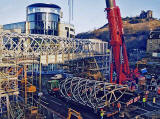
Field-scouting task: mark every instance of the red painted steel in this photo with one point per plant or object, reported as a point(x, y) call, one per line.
point(119, 62)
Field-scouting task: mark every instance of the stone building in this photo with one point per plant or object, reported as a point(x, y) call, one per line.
point(153, 42)
point(146, 15)
point(66, 30)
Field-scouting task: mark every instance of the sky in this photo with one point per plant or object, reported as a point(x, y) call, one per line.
point(88, 14)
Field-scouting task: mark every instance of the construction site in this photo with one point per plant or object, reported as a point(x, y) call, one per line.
point(54, 77)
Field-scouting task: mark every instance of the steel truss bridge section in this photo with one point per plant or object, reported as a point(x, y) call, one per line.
point(27, 45)
point(92, 93)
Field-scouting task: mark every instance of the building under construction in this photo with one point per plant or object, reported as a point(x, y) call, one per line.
point(44, 76)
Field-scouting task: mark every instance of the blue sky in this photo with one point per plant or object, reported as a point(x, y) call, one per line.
point(88, 14)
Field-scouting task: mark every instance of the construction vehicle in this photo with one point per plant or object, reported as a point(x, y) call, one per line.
point(74, 113)
point(53, 84)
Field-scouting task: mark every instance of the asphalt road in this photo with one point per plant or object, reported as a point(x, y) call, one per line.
point(60, 107)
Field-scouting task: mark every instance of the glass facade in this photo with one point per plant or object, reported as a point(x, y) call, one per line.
point(19, 25)
point(43, 19)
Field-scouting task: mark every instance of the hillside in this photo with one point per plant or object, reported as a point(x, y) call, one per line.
point(136, 32)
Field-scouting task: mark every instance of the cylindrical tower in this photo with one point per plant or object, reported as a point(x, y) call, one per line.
point(43, 18)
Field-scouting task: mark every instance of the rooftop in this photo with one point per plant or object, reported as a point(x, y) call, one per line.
point(44, 5)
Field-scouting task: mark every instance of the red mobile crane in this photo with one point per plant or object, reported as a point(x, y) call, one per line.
point(119, 60)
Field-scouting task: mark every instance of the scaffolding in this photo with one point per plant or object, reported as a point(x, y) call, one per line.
point(94, 68)
point(8, 88)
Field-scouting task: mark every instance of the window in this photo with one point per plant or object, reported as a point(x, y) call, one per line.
point(31, 17)
point(53, 17)
point(43, 17)
point(32, 25)
point(32, 32)
point(37, 9)
point(53, 25)
point(67, 34)
point(56, 33)
point(50, 32)
point(40, 25)
point(30, 10)
point(71, 36)
point(15, 26)
point(40, 17)
point(49, 25)
point(72, 30)
point(56, 26)
point(66, 28)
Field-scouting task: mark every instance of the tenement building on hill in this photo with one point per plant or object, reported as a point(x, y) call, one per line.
point(153, 42)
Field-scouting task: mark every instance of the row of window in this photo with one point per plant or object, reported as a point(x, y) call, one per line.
point(47, 32)
point(67, 28)
point(44, 25)
point(43, 17)
point(21, 25)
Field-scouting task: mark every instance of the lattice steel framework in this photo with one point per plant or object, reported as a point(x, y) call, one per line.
point(22, 44)
point(95, 94)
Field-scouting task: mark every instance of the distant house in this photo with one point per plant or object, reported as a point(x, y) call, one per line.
point(153, 42)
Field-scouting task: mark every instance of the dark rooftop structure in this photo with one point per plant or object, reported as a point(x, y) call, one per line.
point(44, 5)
